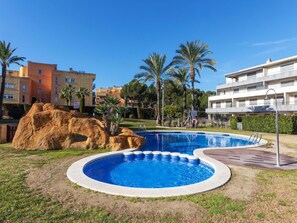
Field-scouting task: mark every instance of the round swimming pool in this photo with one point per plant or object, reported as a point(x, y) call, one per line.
point(187, 142)
point(165, 166)
point(149, 169)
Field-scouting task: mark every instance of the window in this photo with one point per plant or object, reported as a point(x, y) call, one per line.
point(23, 98)
point(56, 80)
point(39, 91)
point(235, 91)
point(295, 99)
point(56, 90)
point(39, 71)
point(70, 80)
point(280, 100)
point(287, 83)
point(39, 81)
point(55, 100)
point(228, 104)
point(218, 104)
point(252, 88)
point(242, 103)
point(23, 88)
point(253, 102)
point(251, 75)
point(267, 101)
point(8, 96)
point(287, 67)
point(9, 85)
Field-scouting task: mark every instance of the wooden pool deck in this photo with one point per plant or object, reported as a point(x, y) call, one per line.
point(252, 158)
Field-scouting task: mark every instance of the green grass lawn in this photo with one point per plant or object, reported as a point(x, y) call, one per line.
point(274, 199)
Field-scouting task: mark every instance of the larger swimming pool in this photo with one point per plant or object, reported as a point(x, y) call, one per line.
point(187, 142)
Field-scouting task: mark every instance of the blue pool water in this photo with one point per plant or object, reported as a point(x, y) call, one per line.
point(147, 172)
point(187, 142)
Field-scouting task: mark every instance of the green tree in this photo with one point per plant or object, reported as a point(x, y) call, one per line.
point(67, 92)
point(193, 55)
point(155, 71)
point(134, 90)
point(6, 58)
point(81, 94)
point(180, 78)
point(125, 94)
point(203, 99)
point(150, 96)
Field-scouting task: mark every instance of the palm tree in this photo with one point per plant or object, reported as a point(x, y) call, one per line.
point(193, 55)
point(6, 59)
point(155, 71)
point(81, 93)
point(66, 93)
point(180, 78)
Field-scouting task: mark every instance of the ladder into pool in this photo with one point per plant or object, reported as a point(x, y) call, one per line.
point(255, 138)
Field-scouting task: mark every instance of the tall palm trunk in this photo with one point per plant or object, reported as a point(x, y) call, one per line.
point(2, 89)
point(158, 102)
point(192, 76)
point(185, 103)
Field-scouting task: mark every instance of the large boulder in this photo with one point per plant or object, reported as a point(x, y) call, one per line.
point(47, 128)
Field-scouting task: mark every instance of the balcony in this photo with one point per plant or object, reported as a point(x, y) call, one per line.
point(252, 94)
point(252, 109)
point(278, 76)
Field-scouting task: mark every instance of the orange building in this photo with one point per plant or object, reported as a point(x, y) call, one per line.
point(43, 82)
point(102, 93)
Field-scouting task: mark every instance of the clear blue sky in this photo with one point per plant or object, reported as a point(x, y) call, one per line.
point(110, 38)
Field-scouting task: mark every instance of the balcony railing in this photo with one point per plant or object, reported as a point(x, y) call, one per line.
point(252, 109)
point(278, 76)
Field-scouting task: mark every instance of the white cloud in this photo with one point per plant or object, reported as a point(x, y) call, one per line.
point(276, 42)
point(269, 51)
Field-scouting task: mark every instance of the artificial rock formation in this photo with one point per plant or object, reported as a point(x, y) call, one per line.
point(47, 128)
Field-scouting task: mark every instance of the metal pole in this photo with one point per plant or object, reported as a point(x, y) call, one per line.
point(163, 90)
point(276, 127)
point(276, 132)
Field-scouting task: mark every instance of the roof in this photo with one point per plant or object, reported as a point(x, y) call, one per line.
point(261, 66)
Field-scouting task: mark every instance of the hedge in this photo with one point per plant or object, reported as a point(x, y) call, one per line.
point(233, 122)
point(287, 124)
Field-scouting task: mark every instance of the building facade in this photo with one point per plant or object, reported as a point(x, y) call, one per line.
point(102, 93)
point(43, 82)
point(245, 90)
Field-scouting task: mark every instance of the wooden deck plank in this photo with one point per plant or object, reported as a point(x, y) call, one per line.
point(252, 158)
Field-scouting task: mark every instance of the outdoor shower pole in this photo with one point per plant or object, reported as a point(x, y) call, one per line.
point(276, 126)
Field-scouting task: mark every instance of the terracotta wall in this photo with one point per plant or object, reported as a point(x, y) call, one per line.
point(41, 80)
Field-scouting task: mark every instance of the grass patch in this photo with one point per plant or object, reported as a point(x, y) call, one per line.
point(19, 204)
point(217, 204)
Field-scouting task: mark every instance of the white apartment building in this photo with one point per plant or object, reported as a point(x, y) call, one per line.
point(244, 91)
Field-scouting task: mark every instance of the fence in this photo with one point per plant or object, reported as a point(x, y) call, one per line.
point(7, 132)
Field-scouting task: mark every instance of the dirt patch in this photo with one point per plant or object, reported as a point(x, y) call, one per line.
point(243, 185)
point(51, 181)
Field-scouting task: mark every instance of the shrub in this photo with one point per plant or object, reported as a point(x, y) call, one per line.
point(266, 123)
point(16, 111)
point(167, 123)
point(171, 111)
point(173, 123)
point(233, 122)
point(146, 113)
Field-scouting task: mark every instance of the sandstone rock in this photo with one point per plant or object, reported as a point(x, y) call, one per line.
point(48, 128)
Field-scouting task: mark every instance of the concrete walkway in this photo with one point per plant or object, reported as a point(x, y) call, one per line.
point(252, 158)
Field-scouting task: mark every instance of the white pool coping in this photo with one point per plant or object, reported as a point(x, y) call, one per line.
point(221, 176)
